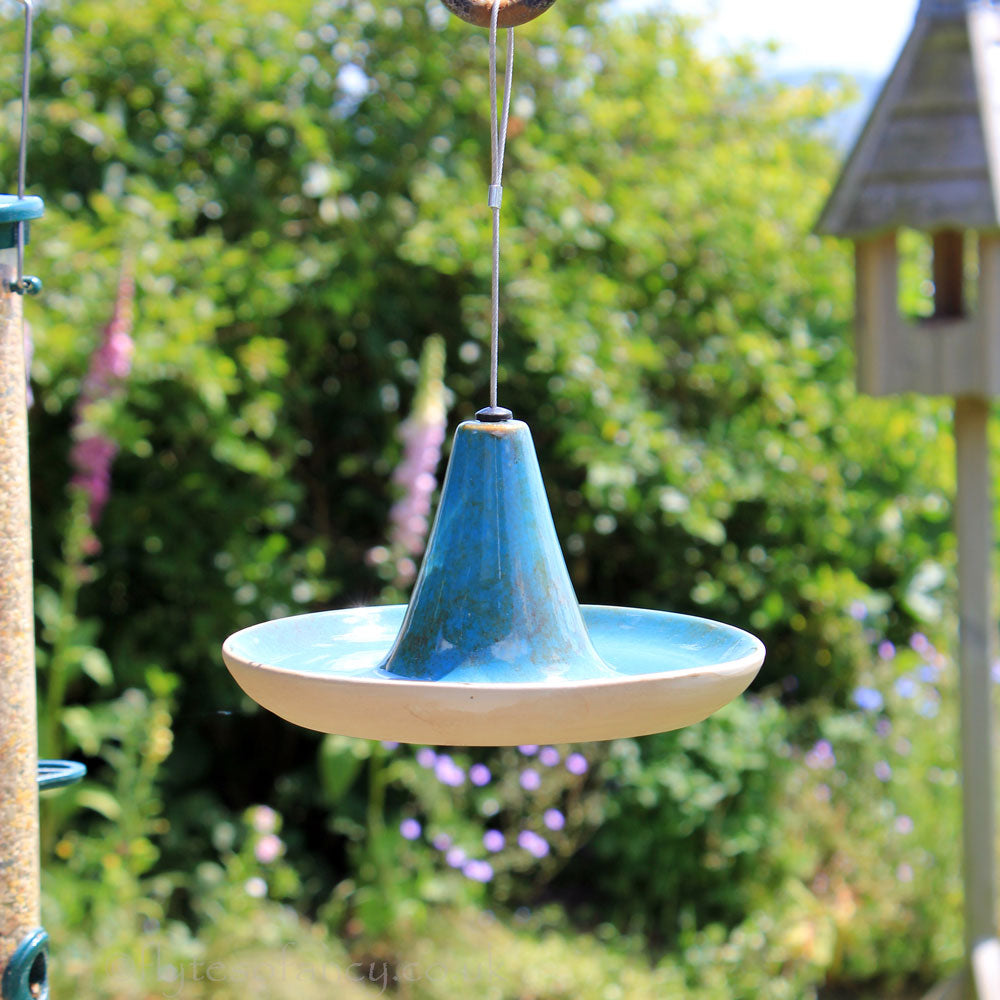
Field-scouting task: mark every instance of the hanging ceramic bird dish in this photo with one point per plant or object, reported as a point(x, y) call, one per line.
point(493, 648)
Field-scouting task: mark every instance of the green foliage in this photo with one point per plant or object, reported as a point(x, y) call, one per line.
point(872, 826)
point(391, 883)
point(122, 929)
point(100, 878)
point(683, 822)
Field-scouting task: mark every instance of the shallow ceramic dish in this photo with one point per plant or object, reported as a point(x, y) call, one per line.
point(493, 648)
point(322, 671)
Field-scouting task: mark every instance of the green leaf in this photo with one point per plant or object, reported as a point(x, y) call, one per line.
point(100, 801)
point(96, 666)
point(84, 727)
point(340, 760)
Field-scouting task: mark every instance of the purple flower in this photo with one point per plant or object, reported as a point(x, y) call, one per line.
point(554, 819)
point(883, 771)
point(883, 727)
point(919, 643)
point(928, 674)
point(456, 857)
point(93, 452)
point(478, 871)
point(268, 848)
point(530, 780)
point(906, 687)
point(448, 772)
point(426, 757)
point(904, 873)
point(410, 829)
point(389, 744)
point(823, 793)
point(868, 699)
point(886, 650)
point(549, 756)
point(494, 840)
point(479, 775)
point(995, 672)
point(821, 756)
point(928, 708)
point(528, 749)
point(858, 611)
point(576, 763)
point(903, 825)
point(441, 841)
point(92, 458)
point(536, 846)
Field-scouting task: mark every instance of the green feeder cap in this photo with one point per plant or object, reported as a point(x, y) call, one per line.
point(14, 210)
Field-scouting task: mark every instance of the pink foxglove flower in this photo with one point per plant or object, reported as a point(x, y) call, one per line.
point(422, 434)
point(93, 450)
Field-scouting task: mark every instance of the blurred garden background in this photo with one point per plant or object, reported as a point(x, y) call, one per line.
point(265, 307)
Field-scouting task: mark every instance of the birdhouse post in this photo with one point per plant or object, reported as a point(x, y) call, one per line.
point(928, 159)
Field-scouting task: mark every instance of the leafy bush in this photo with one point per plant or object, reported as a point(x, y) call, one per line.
point(683, 823)
point(872, 820)
point(650, 835)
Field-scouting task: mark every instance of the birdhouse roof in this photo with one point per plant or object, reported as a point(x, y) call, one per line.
point(929, 155)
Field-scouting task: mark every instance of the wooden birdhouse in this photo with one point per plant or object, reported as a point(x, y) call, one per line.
point(928, 159)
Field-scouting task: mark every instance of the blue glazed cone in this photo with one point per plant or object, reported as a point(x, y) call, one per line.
point(493, 601)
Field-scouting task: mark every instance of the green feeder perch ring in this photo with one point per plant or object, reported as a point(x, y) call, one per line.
point(26, 976)
point(59, 773)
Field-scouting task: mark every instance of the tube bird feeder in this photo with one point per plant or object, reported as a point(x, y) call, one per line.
point(23, 942)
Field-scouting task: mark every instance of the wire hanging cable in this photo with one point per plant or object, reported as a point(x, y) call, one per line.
point(22, 156)
point(498, 144)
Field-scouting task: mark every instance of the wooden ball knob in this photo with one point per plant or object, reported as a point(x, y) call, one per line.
point(511, 14)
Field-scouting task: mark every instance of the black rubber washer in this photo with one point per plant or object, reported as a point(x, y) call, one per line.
point(494, 414)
